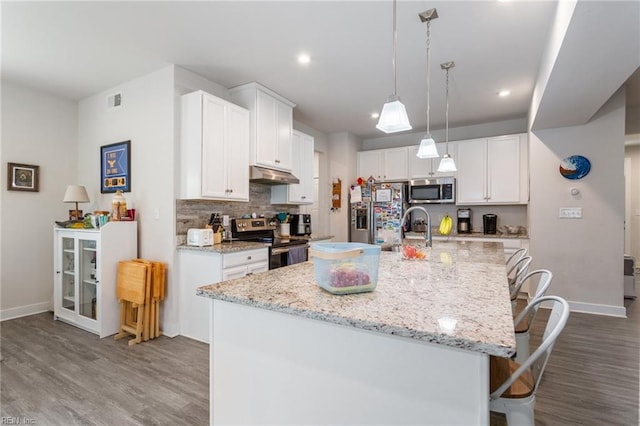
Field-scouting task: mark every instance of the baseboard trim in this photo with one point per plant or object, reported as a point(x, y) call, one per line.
point(170, 330)
point(597, 309)
point(23, 311)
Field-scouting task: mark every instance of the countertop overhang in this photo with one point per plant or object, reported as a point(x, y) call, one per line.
point(461, 283)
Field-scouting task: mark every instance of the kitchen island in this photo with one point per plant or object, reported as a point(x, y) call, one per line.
point(414, 351)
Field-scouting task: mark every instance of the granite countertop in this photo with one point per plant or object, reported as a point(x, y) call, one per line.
point(226, 247)
point(460, 281)
point(234, 246)
point(435, 233)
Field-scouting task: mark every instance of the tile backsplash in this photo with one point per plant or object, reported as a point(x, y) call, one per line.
point(196, 213)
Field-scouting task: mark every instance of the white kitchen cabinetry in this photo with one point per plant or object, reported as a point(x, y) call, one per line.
point(384, 164)
point(214, 148)
point(271, 125)
point(300, 193)
point(492, 170)
point(86, 267)
point(239, 264)
point(198, 268)
point(427, 168)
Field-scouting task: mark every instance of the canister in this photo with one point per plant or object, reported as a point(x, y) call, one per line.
point(118, 206)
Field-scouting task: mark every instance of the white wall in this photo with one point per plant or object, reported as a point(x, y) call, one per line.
point(585, 255)
point(343, 150)
point(497, 128)
point(37, 129)
point(633, 153)
point(147, 119)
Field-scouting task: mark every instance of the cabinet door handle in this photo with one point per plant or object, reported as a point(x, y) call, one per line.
point(277, 161)
point(303, 197)
point(231, 190)
point(248, 257)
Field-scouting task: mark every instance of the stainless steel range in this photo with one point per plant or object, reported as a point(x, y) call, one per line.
point(282, 252)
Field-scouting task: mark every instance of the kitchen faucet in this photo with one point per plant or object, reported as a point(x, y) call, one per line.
point(427, 235)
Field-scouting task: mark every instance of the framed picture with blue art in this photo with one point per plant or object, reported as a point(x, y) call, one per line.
point(115, 167)
point(575, 167)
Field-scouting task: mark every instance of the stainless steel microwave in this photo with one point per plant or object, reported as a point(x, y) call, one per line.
point(439, 190)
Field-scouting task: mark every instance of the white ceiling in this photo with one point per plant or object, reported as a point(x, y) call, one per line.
point(77, 49)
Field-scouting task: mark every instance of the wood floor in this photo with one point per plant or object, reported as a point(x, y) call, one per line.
point(57, 374)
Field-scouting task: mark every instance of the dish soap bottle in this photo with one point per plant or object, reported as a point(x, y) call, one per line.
point(118, 206)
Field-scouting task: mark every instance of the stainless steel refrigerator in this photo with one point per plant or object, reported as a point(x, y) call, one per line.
point(376, 219)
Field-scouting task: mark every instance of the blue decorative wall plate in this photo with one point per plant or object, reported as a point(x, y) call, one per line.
point(575, 167)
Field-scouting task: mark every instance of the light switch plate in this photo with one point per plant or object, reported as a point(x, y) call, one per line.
point(570, 213)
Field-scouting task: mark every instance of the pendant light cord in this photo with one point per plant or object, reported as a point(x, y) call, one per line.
point(428, 73)
point(395, 42)
point(446, 125)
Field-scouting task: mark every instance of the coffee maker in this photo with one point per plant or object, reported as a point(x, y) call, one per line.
point(301, 224)
point(490, 222)
point(464, 221)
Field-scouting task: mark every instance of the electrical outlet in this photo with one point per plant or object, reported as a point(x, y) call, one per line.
point(225, 220)
point(570, 213)
point(156, 213)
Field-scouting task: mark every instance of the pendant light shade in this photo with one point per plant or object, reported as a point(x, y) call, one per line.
point(428, 147)
point(447, 164)
point(393, 117)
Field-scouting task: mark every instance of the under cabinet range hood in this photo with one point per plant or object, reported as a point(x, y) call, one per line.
point(271, 177)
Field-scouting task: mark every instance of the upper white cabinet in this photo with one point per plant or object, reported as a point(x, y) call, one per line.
point(493, 170)
point(384, 164)
point(214, 148)
point(271, 125)
point(428, 167)
point(301, 193)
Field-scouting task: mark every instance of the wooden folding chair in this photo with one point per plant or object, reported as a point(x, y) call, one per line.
point(131, 283)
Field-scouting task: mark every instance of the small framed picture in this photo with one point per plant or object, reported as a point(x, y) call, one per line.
point(23, 177)
point(115, 167)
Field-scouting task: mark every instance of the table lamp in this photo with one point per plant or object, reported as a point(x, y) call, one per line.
point(76, 194)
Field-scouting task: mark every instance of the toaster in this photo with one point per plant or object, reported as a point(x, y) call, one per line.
point(200, 237)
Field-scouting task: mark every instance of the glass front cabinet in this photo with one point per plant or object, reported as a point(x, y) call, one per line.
point(86, 265)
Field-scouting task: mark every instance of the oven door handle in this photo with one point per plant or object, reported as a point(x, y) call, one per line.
point(277, 251)
point(282, 250)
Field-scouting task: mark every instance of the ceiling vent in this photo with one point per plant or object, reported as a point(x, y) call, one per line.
point(114, 100)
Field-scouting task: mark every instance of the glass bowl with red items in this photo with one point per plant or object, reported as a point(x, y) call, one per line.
point(345, 268)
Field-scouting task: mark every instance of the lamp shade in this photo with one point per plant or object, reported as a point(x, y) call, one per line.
point(393, 117)
point(447, 164)
point(427, 148)
point(76, 194)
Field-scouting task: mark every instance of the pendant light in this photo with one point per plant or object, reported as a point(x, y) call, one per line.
point(447, 164)
point(427, 147)
point(393, 117)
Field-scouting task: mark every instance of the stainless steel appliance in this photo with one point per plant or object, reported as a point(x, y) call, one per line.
point(437, 191)
point(282, 252)
point(490, 222)
point(301, 224)
point(376, 220)
point(464, 221)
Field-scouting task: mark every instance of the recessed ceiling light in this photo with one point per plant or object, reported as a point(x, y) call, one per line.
point(504, 93)
point(375, 115)
point(303, 58)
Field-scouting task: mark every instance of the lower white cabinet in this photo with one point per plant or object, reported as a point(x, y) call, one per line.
point(242, 263)
point(86, 267)
point(198, 268)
